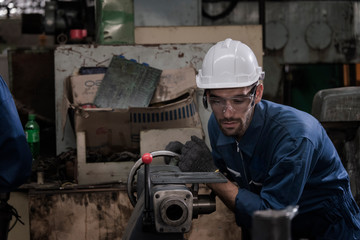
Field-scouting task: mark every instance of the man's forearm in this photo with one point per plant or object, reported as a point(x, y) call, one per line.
point(226, 192)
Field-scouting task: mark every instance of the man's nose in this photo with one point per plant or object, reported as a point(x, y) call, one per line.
point(228, 109)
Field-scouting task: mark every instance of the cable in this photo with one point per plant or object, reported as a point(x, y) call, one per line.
point(16, 215)
point(7, 212)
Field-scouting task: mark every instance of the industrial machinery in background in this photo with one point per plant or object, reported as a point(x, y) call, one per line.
point(166, 199)
point(338, 110)
point(309, 47)
point(69, 21)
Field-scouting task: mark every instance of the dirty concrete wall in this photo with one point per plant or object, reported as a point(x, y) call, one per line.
point(102, 214)
point(75, 215)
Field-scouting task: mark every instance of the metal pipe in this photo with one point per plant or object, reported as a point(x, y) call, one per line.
point(204, 204)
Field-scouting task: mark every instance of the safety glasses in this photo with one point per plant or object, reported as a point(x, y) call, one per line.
point(240, 103)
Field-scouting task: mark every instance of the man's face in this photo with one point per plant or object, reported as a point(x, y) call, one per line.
point(232, 109)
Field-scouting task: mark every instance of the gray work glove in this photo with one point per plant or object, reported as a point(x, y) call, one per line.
point(196, 157)
point(174, 146)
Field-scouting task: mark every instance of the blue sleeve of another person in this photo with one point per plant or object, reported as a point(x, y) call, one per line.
point(15, 154)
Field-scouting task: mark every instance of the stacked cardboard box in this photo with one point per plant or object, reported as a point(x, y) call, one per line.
point(173, 105)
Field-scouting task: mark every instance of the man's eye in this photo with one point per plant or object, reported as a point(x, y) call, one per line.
point(215, 101)
point(238, 100)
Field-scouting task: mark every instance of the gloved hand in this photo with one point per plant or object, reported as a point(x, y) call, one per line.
point(196, 157)
point(174, 146)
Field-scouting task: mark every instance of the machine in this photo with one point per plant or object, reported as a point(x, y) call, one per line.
point(166, 199)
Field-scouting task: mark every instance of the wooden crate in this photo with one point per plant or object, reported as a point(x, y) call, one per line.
point(98, 173)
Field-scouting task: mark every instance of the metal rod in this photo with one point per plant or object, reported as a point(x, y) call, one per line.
point(147, 187)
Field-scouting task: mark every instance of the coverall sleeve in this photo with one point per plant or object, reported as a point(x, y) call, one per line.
point(284, 184)
point(15, 155)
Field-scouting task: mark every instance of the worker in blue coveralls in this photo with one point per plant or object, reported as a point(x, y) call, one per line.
point(273, 155)
point(15, 155)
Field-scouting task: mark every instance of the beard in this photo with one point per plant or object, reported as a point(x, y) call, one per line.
point(235, 127)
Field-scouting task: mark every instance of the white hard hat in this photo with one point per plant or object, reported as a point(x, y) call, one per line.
point(229, 64)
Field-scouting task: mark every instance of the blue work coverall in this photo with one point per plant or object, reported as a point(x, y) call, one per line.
point(15, 155)
point(286, 158)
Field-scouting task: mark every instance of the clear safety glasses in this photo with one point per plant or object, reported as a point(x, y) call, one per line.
point(240, 103)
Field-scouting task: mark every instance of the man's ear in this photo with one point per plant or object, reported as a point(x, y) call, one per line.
point(204, 99)
point(259, 93)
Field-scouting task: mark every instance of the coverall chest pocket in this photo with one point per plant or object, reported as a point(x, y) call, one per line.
point(236, 176)
point(255, 187)
point(245, 181)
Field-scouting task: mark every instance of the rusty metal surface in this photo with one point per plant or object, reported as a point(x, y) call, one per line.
point(167, 13)
point(318, 31)
point(337, 104)
point(300, 31)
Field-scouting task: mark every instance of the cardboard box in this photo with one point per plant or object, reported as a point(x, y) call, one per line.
point(157, 139)
point(119, 129)
point(84, 87)
point(173, 84)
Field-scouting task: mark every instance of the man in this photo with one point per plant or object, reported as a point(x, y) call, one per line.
point(274, 155)
point(15, 155)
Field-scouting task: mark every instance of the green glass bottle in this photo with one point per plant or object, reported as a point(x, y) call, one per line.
point(32, 133)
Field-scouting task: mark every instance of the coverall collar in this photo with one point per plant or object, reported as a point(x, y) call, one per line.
point(248, 141)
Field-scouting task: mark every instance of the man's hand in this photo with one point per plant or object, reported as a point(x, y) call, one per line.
point(174, 146)
point(196, 157)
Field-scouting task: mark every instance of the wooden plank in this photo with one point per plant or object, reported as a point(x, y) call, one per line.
point(81, 147)
point(346, 75)
point(98, 173)
point(248, 34)
point(357, 74)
